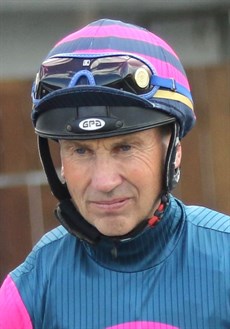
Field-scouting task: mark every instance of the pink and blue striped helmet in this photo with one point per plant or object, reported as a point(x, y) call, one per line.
point(110, 78)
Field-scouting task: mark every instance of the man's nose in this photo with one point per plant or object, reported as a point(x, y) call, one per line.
point(105, 174)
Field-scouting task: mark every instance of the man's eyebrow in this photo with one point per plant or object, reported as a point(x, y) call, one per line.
point(74, 144)
point(129, 138)
point(126, 140)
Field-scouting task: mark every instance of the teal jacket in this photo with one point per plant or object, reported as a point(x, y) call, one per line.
point(174, 275)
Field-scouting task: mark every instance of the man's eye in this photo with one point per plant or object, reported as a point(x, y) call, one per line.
point(125, 147)
point(80, 150)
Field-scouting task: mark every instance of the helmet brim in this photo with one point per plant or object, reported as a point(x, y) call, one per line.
point(59, 114)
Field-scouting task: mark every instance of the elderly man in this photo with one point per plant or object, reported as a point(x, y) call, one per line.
point(128, 255)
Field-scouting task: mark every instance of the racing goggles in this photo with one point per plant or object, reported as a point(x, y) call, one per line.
point(118, 72)
point(121, 72)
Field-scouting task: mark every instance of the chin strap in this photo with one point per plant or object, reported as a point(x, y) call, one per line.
point(172, 174)
point(59, 190)
point(75, 224)
point(159, 212)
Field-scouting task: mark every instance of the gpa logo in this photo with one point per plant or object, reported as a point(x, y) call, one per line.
point(91, 124)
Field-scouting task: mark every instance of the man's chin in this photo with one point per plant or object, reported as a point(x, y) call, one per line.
point(114, 231)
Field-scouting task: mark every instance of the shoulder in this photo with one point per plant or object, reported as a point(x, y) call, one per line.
point(205, 236)
point(52, 256)
point(52, 237)
point(52, 243)
point(207, 218)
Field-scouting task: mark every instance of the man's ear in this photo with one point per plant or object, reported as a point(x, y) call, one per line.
point(178, 155)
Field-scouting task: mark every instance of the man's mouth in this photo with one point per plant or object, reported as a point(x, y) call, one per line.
point(113, 204)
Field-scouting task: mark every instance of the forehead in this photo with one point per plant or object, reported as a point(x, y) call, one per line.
point(141, 136)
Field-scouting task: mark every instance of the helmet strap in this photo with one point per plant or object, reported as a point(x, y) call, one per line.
point(172, 174)
point(159, 212)
point(75, 224)
point(59, 190)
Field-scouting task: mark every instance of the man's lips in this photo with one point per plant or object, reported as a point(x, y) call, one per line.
point(110, 204)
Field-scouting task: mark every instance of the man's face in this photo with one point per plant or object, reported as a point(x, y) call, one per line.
point(115, 182)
